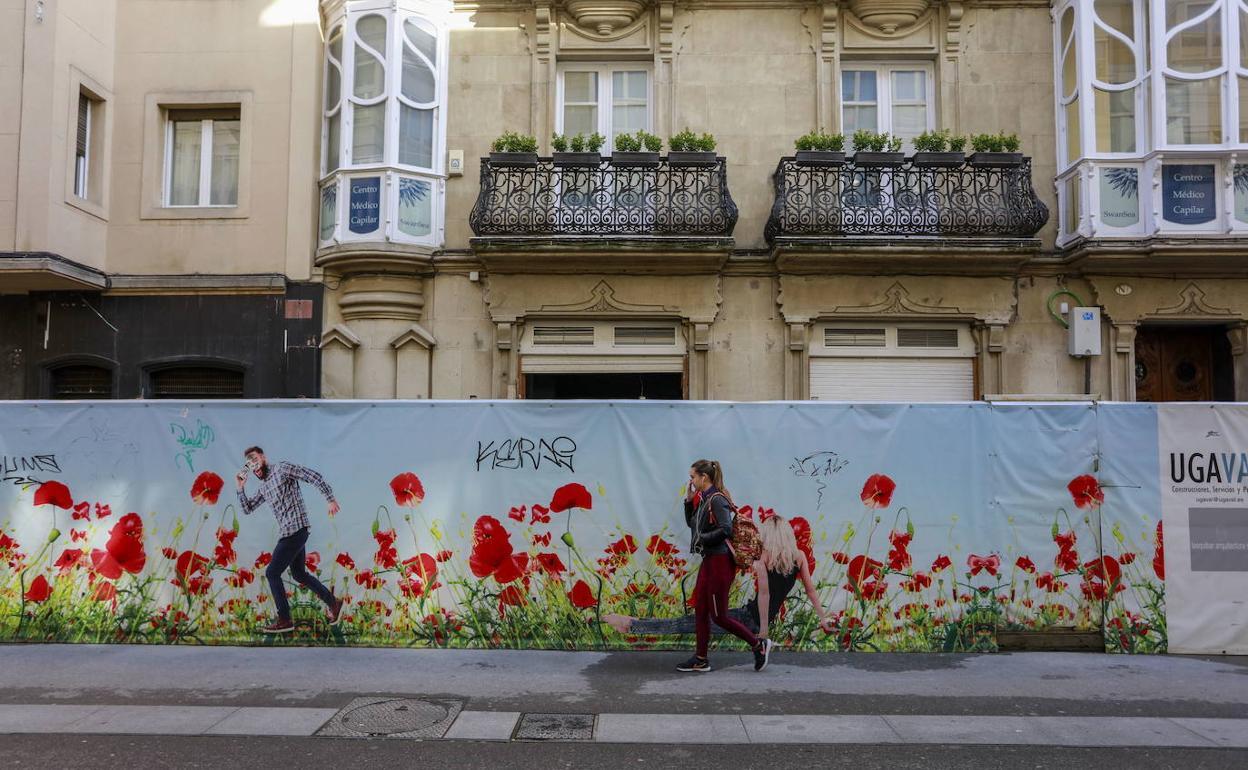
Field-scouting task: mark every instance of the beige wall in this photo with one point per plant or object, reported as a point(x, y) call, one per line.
point(12, 38)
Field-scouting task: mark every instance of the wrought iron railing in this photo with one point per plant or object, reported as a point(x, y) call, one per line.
point(854, 200)
point(659, 199)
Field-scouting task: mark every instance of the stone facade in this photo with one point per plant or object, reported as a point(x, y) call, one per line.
point(455, 317)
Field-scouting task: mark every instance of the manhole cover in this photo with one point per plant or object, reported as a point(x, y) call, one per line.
point(555, 727)
point(392, 718)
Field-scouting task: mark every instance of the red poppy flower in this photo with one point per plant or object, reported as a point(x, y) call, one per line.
point(878, 491)
point(941, 562)
point(657, 545)
point(76, 535)
point(571, 496)
point(518, 514)
point(224, 554)
point(387, 555)
point(443, 556)
point(407, 489)
point(624, 547)
point(207, 488)
point(1086, 492)
point(861, 568)
point(542, 540)
point(875, 590)
point(414, 588)
point(190, 565)
point(988, 564)
point(917, 583)
point(550, 563)
point(899, 556)
point(511, 596)
point(102, 511)
point(1047, 581)
point(765, 513)
point(241, 578)
point(492, 552)
point(39, 590)
point(313, 561)
point(1126, 557)
point(1106, 570)
point(1025, 564)
point(422, 565)
point(345, 560)
point(803, 535)
point(124, 549)
point(264, 559)
point(54, 493)
point(367, 579)
point(104, 592)
point(1159, 555)
point(69, 559)
point(82, 511)
point(541, 515)
point(581, 595)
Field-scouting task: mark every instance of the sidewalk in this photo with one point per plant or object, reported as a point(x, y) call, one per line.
point(1050, 699)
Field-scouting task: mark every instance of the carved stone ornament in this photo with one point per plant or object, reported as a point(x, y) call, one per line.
point(604, 16)
point(888, 16)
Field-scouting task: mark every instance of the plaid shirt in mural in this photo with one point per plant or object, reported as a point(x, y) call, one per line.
point(280, 488)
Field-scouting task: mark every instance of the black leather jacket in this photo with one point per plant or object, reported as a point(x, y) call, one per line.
point(710, 524)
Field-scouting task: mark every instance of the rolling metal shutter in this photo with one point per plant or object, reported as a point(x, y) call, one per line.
point(892, 379)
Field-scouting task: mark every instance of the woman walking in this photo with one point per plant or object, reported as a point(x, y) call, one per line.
point(709, 513)
point(778, 568)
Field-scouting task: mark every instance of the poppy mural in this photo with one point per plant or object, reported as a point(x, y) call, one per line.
point(457, 525)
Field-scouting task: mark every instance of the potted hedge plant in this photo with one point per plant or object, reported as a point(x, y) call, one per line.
point(640, 149)
point(820, 149)
point(577, 150)
point(688, 149)
point(996, 150)
point(512, 149)
point(872, 149)
point(934, 148)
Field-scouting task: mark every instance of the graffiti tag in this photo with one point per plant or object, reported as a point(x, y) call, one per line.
point(520, 453)
point(818, 466)
point(19, 469)
point(190, 441)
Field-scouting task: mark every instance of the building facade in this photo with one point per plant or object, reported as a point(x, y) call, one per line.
point(285, 198)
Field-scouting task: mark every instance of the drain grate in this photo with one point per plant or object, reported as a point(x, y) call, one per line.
point(555, 727)
point(392, 718)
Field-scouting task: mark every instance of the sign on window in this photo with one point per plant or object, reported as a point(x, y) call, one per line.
point(1189, 193)
point(365, 202)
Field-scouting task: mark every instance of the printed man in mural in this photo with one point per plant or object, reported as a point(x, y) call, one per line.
point(279, 487)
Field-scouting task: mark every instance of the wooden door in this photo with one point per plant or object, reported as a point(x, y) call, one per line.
point(1173, 365)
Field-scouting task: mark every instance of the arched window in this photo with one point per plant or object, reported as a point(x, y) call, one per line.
point(384, 123)
point(1152, 112)
point(196, 382)
point(79, 381)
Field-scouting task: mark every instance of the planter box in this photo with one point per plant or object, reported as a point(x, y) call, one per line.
point(695, 158)
point(577, 158)
point(946, 159)
point(879, 158)
point(513, 158)
point(635, 158)
point(997, 159)
point(820, 158)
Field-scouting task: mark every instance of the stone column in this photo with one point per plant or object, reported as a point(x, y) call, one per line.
point(989, 346)
point(796, 358)
point(699, 371)
point(1122, 361)
point(1238, 335)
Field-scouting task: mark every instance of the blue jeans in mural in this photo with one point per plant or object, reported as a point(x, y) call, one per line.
point(289, 554)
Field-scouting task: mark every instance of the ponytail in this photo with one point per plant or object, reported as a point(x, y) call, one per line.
point(715, 471)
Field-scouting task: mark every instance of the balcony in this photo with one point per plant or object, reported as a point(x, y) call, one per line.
point(545, 215)
point(848, 217)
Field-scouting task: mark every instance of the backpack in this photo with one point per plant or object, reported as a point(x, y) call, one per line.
point(745, 544)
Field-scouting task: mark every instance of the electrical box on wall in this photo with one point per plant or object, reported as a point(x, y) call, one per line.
point(1084, 332)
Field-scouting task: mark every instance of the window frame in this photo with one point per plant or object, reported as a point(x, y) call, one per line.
point(204, 198)
point(884, 93)
point(98, 159)
point(606, 96)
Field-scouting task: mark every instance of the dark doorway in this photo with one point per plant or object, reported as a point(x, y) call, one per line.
point(604, 386)
point(1183, 363)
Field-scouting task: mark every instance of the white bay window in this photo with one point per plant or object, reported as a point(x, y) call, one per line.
point(1152, 112)
point(383, 131)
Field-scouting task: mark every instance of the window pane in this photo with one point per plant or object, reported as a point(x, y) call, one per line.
point(1189, 193)
point(369, 134)
point(1120, 197)
point(856, 118)
point(1115, 61)
point(184, 163)
point(335, 46)
point(415, 137)
point(415, 207)
point(1074, 147)
point(372, 32)
point(1241, 192)
point(1243, 38)
point(628, 85)
point(329, 210)
point(224, 182)
point(1197, 49)
point(1115, 120)
point(580, 87)
point(420, 34)
point(909, 121)
point(369, 75)
point(333, 87)
point(858, 85)
point(1179, 11)
point(418, 83)
point(1193, 111)
point(909, 86)
point(1243, 108)
point(1118, 14)
point(332, 134)
point(1066, 45)
point(1070, 208)
point(580, 119)
point(627, 119)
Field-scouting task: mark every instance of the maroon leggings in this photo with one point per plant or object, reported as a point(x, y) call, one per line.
point(710, 601)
